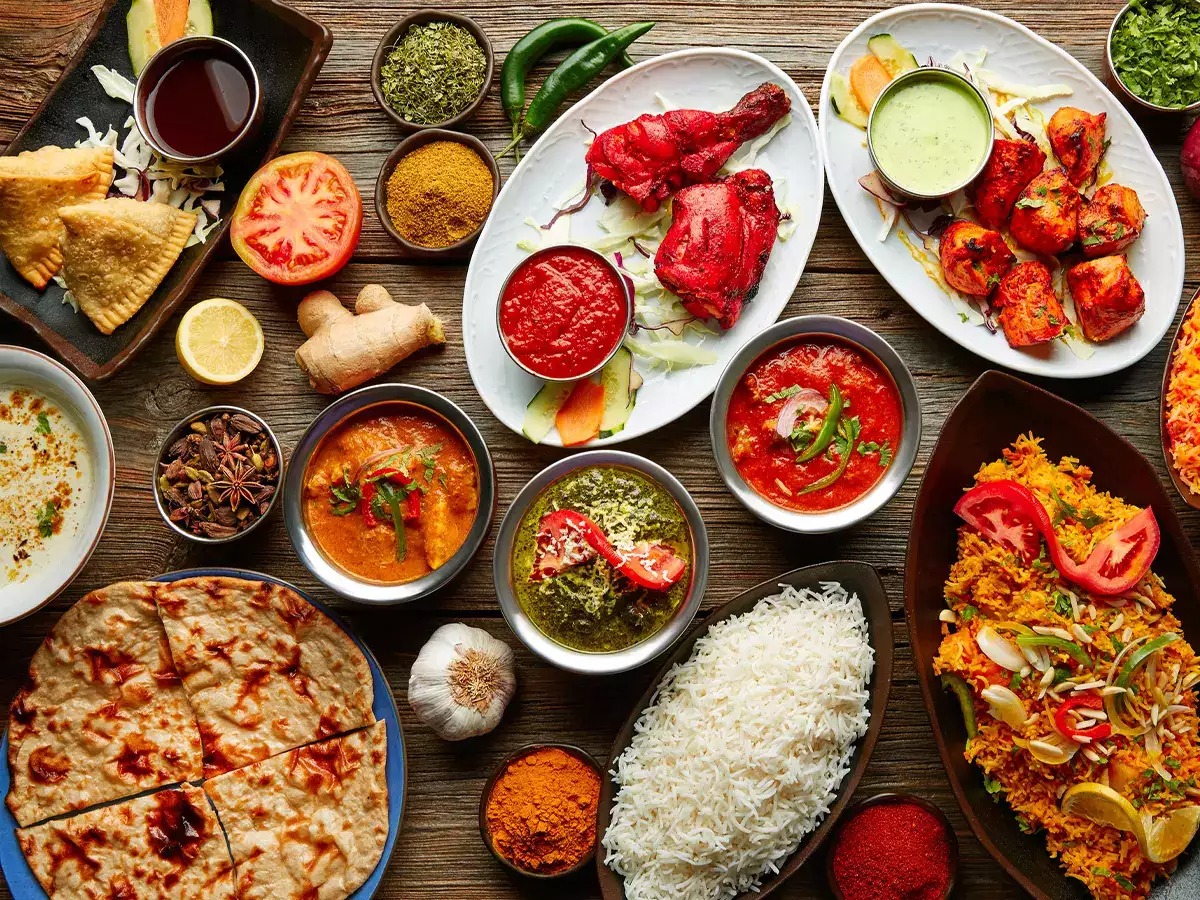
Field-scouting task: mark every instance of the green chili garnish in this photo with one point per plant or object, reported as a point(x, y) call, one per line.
point(828, 428)
point(952, 682)
point(1070, 648)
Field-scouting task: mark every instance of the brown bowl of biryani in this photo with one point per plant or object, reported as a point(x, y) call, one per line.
point(390, 493)
point(1179, 414)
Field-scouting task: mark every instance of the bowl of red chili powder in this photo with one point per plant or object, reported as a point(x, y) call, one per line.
point(537, 814)
point(892, 847)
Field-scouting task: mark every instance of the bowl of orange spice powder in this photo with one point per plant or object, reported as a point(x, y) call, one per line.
point(435, 191)
point(537, 814)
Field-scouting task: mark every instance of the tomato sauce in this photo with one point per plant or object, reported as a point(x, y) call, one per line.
point(817, 371)
point(563, 312)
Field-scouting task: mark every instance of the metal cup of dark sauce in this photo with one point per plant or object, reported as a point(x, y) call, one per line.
point(197, 99)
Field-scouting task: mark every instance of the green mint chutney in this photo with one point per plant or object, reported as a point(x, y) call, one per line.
point(930, 134)
point(590, 607)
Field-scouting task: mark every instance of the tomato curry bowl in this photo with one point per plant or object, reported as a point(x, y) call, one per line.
point(815, 423)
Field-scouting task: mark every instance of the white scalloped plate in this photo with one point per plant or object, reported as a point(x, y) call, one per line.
point(1157, 258)
point(699, 78)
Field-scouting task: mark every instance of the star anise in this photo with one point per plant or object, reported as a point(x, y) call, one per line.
point(237, 484)
point(231, 449)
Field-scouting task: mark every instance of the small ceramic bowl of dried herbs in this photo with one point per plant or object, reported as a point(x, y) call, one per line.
point(432, 70)
point(218, 474)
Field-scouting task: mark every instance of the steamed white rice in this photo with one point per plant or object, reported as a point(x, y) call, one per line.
point(743, 748)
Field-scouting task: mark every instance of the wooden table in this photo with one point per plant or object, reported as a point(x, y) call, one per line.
point(439, 852)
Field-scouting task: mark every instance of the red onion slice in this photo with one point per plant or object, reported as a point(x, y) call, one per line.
point(808, 401)
point(873, 185)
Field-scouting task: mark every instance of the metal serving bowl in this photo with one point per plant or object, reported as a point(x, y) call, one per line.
point(581, 661)
point(333, 576)
point(1135, 104)
point(869, 503)
point(181, 429)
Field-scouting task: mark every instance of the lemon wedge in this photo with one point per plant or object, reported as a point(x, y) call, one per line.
point(219, 341)
point(1168, 836)
point(1104, 806)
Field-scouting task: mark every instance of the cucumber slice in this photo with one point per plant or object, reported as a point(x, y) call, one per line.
point(844, 102)
point(620, 392)
point(147, 34)
point(540, 413)
point(891, 53)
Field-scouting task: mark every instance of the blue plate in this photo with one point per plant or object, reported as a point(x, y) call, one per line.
point(20, 878)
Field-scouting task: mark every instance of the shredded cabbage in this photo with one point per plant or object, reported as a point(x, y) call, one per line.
point(671, 354)
point(115, 84)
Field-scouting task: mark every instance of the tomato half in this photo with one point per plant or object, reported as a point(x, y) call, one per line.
point(298, 219)
point(1119, 561)
point(1007, 513)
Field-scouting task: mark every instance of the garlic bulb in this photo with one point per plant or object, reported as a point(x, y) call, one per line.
point(461, 682)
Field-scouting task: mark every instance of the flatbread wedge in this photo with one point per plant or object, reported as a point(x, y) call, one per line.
point(116, 252)
point(102, 715)
point(311, 823)
point(34, 185)
point(264, 669)
point(162, 845)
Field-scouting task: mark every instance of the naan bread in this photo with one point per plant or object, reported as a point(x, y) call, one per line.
point(117, 251)
point(163, 845)
point(264, 669)
point(34, 185)
point(308, 824)
point(103, 714)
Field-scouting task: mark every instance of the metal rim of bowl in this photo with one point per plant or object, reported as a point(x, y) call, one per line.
point(422, 17)
point(580, 661)
point(859, 806)
point(334, 577)
point(180, 48)
point(486, 795)
point(862, 338)
point(894, 85)
point(178, 430)
point(95, 413)
point(549, 251)
point(410, 144)
point(1119, 87)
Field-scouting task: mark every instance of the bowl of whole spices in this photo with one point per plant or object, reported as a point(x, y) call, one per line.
point(217, 475)
point(1152, 56)
point(892, 847)
point(538, 810)
point(432, 69)
point(435, 191)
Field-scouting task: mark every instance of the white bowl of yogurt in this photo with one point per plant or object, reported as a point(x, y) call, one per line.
point(57, 471)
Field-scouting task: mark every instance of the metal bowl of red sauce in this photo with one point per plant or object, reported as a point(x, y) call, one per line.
point(563, 312)
point(198, 99)
point(815, 424)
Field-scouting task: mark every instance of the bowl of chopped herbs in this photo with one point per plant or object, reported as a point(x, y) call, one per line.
point(432, 69)
point(1153, 56)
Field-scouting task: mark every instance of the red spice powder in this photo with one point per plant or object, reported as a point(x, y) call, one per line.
point(893, 851)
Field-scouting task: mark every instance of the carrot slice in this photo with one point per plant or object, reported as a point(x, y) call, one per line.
point(578, 420)
point(172, 16)
point(868, 78)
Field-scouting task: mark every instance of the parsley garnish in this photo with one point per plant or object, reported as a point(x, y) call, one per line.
point(43, 425)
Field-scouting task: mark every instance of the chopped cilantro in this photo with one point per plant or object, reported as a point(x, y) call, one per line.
point(968, 613)
point(1084, 517)
point(1031, 202)
point(1156, 51)
point(3, 447)
point(46, 517)
point(1062, 603)
point(43, 425)
point(1015, 682)
point(992, 786)
point(783, 394)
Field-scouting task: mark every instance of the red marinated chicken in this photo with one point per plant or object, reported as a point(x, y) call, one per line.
point(1012, 165)
point(654, 156)
point(1110, 221)
point(974, 258)
point(717, 247)
point(1030, 312)
point(1077, 138)
point(1108, 299)
point(1046, 218)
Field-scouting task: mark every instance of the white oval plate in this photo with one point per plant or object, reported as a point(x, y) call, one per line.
point(940, 31)
point(699, 78)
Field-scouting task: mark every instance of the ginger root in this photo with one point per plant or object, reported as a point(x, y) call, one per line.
point(346, 348)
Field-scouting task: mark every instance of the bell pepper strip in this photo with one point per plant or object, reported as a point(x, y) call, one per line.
point(412, 507)
point(1072, 649)
point(1139, 657)
point(1062, 722)
point(956, 685)
point(1010, 514)
point(367, 494)
point(827, 430)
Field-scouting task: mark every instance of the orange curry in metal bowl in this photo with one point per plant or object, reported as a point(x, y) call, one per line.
point(391, 493)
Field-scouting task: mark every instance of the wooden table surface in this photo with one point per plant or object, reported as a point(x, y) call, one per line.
point(439, 851)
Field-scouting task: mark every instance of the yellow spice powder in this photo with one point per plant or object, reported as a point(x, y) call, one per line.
point(438, 194)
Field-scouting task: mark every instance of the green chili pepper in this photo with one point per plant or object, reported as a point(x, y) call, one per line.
point(1070, 648)
point(573, 73)
point(952, 682)
point(392, 496)
point(525, 53)
point(828, 428)
point(850, 439)
point(1142, 654)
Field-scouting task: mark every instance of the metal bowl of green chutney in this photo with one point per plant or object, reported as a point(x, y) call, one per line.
point(929, 133)
point(677, 619)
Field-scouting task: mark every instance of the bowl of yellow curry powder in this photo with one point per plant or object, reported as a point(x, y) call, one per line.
point(435, 191)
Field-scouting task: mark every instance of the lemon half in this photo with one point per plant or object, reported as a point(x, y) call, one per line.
point(1161, 838)
point(219, 341)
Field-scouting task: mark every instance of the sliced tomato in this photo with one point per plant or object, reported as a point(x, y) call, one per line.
point(1009, 514)
point(298, 219)
point(563, 541)
point(1119, 561)
point(652, 566)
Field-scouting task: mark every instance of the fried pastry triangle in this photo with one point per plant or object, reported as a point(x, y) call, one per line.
point(117, 251)
point(34, 185)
